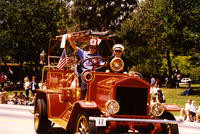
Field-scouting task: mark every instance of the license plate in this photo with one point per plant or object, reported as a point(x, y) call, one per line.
point(100, 122)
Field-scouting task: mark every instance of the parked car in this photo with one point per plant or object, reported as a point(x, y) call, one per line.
point(186, 80)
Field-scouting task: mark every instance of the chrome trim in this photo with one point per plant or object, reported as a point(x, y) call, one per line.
point(134, 120)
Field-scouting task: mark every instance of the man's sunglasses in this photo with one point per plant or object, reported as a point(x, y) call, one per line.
point(119, 51)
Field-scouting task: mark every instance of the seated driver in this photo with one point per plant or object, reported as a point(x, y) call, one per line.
point(93, 47)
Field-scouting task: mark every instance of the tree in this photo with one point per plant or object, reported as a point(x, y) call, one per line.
point(95, 14)
point(26, 27)
point(159, 28)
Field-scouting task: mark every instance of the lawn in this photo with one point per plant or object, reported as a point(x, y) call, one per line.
point(175, 95)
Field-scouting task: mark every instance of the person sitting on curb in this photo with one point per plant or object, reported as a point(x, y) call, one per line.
point(15, 98)
point(198, 114)
point(186, 111)
point(22, 99)
point(193, 111)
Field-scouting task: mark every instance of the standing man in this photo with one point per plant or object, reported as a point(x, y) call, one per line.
point(34, 86)
point(3, 78)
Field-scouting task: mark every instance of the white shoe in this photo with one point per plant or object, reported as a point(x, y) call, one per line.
point(180, 118)
point(188, 120)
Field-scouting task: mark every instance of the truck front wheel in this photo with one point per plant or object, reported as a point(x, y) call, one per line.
point(41, 121)
point(81, 125)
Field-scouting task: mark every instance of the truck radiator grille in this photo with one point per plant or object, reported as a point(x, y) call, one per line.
point(132, 101)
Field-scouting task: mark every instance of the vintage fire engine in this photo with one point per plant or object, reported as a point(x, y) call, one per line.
point(114, 102)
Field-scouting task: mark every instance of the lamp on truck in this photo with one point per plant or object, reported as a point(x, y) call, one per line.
point(117, 64)
point(112, 106)
point(157, 109)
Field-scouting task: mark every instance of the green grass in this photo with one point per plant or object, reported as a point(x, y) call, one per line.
point(175, 96)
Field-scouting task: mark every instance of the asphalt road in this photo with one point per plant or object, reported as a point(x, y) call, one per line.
point(17, 119)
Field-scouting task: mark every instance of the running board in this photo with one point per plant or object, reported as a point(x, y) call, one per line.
point(62, 123)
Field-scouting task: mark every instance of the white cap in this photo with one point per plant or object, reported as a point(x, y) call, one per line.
point(118, 47)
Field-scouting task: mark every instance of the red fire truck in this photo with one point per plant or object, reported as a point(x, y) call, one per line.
point(114, 102)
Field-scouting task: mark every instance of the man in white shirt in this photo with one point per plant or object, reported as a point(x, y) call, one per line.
point(186, 111)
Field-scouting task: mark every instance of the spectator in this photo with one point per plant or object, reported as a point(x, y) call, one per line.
point(186, 111)
point(157, 81)
point(153, 80)
point(193, 111)
point(178, 80)
point(15, 98)
point(10, 74)
point(34, 86)
point(161, 97)
point(198, 114)
point(166, 81)
point(189, 90)
point(3, 79)
point(22, 99)
point(4, 97)
point(153, 100)
point(176, 72)
point(154, 89)
point(27, 87)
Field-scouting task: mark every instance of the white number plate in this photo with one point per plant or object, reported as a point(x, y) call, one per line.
point(100, 122)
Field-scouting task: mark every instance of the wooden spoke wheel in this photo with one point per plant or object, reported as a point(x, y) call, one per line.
point(81, 125)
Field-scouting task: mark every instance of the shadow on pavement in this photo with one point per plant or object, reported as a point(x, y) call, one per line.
point(57, 130)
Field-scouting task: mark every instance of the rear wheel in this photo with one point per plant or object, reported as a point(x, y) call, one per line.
point(41, 122)
point(169, 128)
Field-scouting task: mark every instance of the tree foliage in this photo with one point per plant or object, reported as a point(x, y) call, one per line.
point(154, 32)
point(26, 27)
point(159, 28)
point(95, 14)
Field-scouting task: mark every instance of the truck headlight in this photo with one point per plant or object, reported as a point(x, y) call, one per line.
point(157, 109)
point(112, 106)
point(116, 64)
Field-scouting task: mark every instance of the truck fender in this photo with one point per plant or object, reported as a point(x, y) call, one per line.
point(90, 107)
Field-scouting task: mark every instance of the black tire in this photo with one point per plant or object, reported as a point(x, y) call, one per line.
point(81, 125)
point(95, 130)
point(41, 122)
point(169, 128)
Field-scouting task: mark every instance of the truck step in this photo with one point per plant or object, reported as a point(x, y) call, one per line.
point(62, 123)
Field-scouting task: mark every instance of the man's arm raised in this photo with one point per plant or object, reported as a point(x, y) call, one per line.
point(72, 43)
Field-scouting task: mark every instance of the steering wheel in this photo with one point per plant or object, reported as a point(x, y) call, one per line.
point(94, 63)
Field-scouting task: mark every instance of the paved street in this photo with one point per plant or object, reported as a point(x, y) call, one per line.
point(17, 119)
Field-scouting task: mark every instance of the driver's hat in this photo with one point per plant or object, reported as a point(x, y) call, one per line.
point(118, 47)
point(95, 42)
